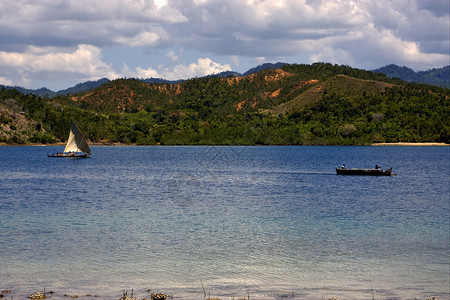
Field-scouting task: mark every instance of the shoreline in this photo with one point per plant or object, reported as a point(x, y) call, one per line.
point(149, 294)
point(410, 144)
point(422, 144)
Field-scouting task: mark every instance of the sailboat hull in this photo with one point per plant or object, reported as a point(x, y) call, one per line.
point(69, 155)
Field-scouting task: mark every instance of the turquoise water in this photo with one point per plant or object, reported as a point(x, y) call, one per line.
point(269, 222)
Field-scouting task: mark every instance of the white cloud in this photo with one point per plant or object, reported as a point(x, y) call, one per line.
point(37, 63)
point(172, 56)
point(144, 38)
point(160, 3)
point(146, 73)
point(5, 81)
point(202, 67)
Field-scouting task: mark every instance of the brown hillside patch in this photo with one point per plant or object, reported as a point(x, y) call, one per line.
point(128, 94)
point(168, 89)
point(233, 80)
point(317, 89)
point(240, 105)
point(277, 75)
point(275, 93)
point(274, 75)
point(236, 80)
point(177, 89)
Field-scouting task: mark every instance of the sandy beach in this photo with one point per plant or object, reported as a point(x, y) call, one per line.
point(410, 144)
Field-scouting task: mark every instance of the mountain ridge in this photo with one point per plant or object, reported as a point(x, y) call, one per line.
point(317, 104)
point(437, 76)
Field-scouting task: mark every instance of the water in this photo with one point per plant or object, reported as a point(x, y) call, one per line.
point(269, 222)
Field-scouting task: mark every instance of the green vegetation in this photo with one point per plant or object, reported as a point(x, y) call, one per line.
point(297, 105)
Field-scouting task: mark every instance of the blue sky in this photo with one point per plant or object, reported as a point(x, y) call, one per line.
point(59, 43)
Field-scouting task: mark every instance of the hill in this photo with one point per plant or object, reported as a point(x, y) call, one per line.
point(296, 105)
point(89, 85)
point(83, 87)
point(339, 85)
point(42, 92)
point(265, 66)
point(439, 77)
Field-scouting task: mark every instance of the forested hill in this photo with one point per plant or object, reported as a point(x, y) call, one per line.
point(314, 104)
point(439, 76)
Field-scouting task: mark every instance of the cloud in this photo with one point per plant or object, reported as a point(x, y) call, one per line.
point(145, 73)
point(68, 23)
point(37, 63)
point(172, 56)
point(309, 29)
point(42, 39)
point(203, 67)
point(438, 8)
point(5, 81)
point(144, 38)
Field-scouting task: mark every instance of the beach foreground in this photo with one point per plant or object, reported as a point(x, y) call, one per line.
point(148, 294)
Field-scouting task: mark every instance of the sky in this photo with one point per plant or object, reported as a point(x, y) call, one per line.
point(60, 43)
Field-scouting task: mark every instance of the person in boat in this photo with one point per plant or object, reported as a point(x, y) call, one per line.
point(343, 166)
point(377, 167)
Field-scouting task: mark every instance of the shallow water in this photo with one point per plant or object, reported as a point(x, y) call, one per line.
point(269, 222)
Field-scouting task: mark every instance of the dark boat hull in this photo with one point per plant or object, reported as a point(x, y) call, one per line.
point(84, 155)
point(368, 172)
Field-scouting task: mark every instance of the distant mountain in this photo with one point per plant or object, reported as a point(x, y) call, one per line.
point(265, 66)
point(439, 77)
point(159, 81)
point(225, 74)
point(83, 87)
point(45, 92)
point(42, 92)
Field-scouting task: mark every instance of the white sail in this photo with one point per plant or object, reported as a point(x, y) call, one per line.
point(76, 142)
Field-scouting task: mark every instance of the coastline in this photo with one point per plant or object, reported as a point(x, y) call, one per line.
point(410, 144)
point(64, 144)
point(133, 144)
point(149, 294)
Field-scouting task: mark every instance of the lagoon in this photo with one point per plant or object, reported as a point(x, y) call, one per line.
point(230, 221)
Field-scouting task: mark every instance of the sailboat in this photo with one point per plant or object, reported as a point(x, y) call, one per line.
point(76, 146)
